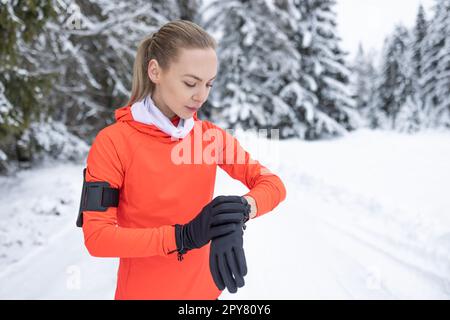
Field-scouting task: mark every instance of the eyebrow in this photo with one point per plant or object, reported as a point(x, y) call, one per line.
point(191, 75)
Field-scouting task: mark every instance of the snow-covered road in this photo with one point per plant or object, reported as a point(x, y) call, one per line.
point(366, 217)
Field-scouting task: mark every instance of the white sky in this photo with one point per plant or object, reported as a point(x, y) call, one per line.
point(370, 21)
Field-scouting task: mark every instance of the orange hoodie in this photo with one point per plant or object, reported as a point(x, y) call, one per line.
point(164, 182)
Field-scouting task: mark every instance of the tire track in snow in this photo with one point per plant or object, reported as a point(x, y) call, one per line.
point(413, 254)
point(382, 292)
point(433, 278)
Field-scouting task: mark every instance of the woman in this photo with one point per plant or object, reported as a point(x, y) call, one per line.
point(161, 159)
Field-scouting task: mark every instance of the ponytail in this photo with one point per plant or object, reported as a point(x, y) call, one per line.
point(141, 85)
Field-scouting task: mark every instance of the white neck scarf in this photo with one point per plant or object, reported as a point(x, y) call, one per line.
point(146, 112)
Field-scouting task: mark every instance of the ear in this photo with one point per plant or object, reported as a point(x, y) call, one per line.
point(153, 71)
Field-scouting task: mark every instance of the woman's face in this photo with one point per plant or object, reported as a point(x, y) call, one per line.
point(185, 84)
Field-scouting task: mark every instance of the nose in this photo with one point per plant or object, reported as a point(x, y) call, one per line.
point(201, 95)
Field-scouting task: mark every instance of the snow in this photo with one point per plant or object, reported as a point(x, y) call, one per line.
point(366, 217)
point(5, 105)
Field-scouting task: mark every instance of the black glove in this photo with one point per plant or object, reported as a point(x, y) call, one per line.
point(227, 261)
point(221, 216)
point(227, 258)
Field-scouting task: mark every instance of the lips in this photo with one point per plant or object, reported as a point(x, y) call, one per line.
point(193, 108)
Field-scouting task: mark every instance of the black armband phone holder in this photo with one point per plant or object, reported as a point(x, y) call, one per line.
point(96, 196)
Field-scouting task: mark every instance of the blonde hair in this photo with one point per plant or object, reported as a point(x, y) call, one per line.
point(164, 46)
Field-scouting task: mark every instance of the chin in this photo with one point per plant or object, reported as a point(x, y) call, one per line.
point(184, 116)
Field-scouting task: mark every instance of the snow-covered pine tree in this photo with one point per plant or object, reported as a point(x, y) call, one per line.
point(419, 34)
point(335, 111)
point(414, 113)
point(255, 60)
point(395, 83)
point(24, 78)
point(436, 69)
point(363, 82)
point(281, 66)
point(298, 87)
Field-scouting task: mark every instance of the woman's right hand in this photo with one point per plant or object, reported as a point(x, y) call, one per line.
point(222, 216)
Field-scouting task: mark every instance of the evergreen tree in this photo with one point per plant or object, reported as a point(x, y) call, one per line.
point(255, 61)
point(436, 69)
point(414, 113)
point(299, 87)
point(281, 66)
point(395, 86)
point(419, 34)
point(335, 112)
point(364, 81)
point(24, 79)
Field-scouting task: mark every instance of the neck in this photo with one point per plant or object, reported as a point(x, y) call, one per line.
point(163, 107)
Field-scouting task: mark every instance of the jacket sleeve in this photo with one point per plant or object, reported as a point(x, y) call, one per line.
point(102, 236)
point(265, 187)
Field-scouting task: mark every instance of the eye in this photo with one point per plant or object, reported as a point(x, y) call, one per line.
point(193, 85)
